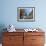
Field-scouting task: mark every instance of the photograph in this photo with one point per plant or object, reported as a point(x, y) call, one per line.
point(26, 14)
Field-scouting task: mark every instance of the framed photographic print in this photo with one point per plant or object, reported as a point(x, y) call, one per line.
point(26, 14)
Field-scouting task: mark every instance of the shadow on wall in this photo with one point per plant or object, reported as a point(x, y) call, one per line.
point(2, 26)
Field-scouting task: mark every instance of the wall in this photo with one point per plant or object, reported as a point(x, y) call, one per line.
point(9, 13)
